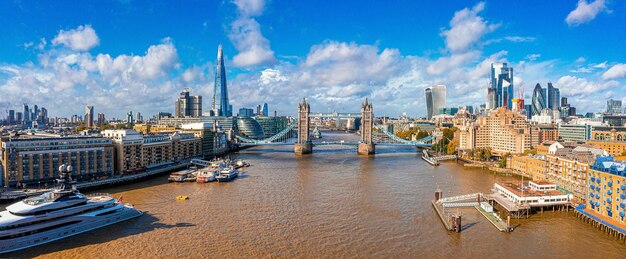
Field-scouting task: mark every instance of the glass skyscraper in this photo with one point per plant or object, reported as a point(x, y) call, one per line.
point(220, 105)
point(554, 97)
point(539, 100)
point(613, 106)
point(435, 100)
point(500, 92)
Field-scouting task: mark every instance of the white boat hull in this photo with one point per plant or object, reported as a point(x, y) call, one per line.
point(88, 221)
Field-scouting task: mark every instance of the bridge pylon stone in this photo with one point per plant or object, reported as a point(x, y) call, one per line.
point(304, 145)
point(366, 145)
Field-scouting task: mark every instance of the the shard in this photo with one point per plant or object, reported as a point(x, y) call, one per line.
point(220, 105)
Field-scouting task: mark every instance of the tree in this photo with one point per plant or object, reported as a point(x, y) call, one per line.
point(452, 146)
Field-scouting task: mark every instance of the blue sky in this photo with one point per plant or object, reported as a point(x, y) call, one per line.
point(137, 55)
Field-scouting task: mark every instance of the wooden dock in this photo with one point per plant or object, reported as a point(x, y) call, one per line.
point(442, 215)
point(495, 221)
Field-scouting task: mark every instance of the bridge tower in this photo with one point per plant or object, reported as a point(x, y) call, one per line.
point(304, 145)
point(366, 145)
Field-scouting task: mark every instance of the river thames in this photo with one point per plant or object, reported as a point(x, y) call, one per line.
point(329, 204)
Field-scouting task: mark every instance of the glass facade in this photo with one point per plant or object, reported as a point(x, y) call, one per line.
point(250, 128)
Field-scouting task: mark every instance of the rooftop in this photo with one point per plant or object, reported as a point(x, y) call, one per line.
point(516, 188)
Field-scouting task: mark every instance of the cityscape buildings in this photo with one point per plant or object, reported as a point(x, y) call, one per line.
point(220, 105)
point(187, 105)
point(538, 100)
point(435, 99)
point(89, 117)
point(500, 92)
point(554, 97)
point(614, 106)
point(503, 131)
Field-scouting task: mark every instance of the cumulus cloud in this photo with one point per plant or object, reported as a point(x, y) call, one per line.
point(576, 86)
point(64, 81)
point(82, 38)
point(615, 72)
point(585, 12)
point(466, 29)
point(254, 49)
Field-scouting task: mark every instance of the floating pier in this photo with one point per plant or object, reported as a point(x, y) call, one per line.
point(452, 222)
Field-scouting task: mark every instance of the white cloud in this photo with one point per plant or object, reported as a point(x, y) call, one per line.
point(254, 49)
point(466, 29)
point(520, 38)
point(575, 86)
point(82, 38)
point(250, 7)
point(581, 60)
point(615, 72)
point(533, 57)
point(585, 12)
point(601, 65)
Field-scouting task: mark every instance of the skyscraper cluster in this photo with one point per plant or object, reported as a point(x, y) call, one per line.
point(435, 100)
point(500, 92)
point(547, 98)
point(27, 116)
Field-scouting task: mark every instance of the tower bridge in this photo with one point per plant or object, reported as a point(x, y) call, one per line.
point(298, 133)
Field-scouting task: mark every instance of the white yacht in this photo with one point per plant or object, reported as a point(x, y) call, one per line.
point(227, 174)
point(57, 214)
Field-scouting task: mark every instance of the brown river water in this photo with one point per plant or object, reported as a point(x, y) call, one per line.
point(329, 204)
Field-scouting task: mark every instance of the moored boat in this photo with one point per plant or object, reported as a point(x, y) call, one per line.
point(206, 175)
point(227, 174)
point(58, 214)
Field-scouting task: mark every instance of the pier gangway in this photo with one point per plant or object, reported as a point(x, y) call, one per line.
point(448, 205)
point(200, 162)
point(464, 197)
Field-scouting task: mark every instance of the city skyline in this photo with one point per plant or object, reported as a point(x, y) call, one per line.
point(91, 60)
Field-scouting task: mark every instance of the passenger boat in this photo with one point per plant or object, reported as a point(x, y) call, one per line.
point(58, 214)
point(206, 175)
point(227, 174)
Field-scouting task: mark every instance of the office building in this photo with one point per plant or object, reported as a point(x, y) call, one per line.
point(575, 132)
point(614, 106)
point(249, 127)
point(89, 117)
point(101, 119)
point(435, 99)
point(265, 110)
point(614, 120)
point(553, 98)
point(213, 142)
point(538, 100)
point(11, 117)
point(220, 105)
point(26, 114)
point(272, 125)
point(500, 93)
point(187, 105)
point(245, 112)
